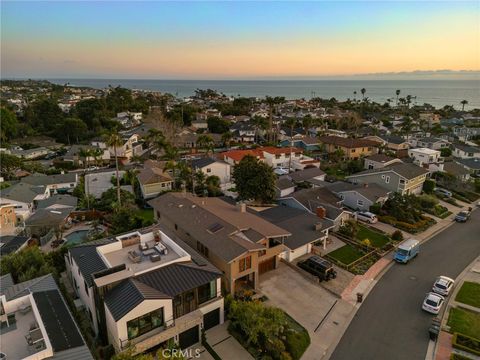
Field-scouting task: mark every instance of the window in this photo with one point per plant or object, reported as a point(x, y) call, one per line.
point(163, 185)
point(353, 150)
point(387, 179)
point(245, 263)
point(383, 176)
point(144, 323)
point(277, 156)
point(402, 181)
point(209, 170)
point(207, 291)
point(360, 202)
point(262, 253)
point(272, 242)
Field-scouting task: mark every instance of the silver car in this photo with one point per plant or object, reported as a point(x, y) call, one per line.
point(443, 285)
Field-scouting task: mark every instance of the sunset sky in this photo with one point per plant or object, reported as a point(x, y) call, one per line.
point(231, 40)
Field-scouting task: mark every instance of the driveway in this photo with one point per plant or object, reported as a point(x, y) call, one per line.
point(305, 301)
point(224, 344)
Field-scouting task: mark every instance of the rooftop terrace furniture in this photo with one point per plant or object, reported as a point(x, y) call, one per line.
point(134, 256)
point(130, 240)
point(155, 257)
point(162, 249)
point(148, 252)
point(143, 247)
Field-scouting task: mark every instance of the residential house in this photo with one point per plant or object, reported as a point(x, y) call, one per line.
point(37, 323)
point(45, 223)
point(378, 161)
point(333, 132)
point(30, 154)
point(306, 143)
point(73, 155)
point(8, 218)
point(427, 158)
point(98, 182)
point(465, 133)
point(306, 229)
point(242, 245)
point(12, 243)
point(280, 157)
point(471, 164)
point(58, 201)
point(153, 179)
point(24, 198)
point(243, 132)
point(310, 175)
point(144, 288)
point(60, 183)
point(457, 170)
point(284, 186)
point(360, 196)
point(213, 167)
point(405, 178)
point(319, 201)
point(200, 123)
point(189, 140)
point(351, 148)
point(464, 151)
point(233, 157)
point(431, 143)
point(393, 143)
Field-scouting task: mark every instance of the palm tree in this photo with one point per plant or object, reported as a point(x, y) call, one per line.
point(355, 95)
point(96, 154)
point(259, 123)
point(156, 139)
point(307, 123)
point(397, 92)
point(206, 142)
point(113, 139)
point(171, 155)
point(363, 91)
point(463, 102)
point(272, 104)
point(409, 101)
point(291, 122)
point(227, 138)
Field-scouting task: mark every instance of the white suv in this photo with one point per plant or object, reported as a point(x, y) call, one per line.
point(367, 217)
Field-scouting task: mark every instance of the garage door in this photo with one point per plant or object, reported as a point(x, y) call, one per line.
point(189, 337)
point(211, 319)
point(266, 265)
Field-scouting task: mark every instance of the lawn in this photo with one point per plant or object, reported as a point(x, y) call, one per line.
point(346, 254)
point(376, 239)
point(469, 294)
point(464, 322)
point(146, 214)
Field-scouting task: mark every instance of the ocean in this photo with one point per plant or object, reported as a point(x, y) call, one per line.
point(435, 92)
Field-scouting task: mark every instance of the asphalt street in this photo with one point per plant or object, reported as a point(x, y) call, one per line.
point(390, 323)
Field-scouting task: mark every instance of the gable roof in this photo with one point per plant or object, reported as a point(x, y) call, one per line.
point(406, 170)
point(42, 179)
point(283, 183)
point(381, 158)
point(200, 163)
point(11, 243)
point(300, 223)
point(22, 192)
point(467, 148)
point(347, 142)
point(127, 295)
point(153, 175)
point(371, 191)
point(455, 169)
point(48, 217)
point(305, 175)
point(472, 163)
point(88, 260)
point(58, 199)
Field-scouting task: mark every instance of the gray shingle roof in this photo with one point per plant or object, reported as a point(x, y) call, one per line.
point(42, 283)
point(48, 217)
point(22, 192)
point(300, 223)
point(127, 295)
point(11, 243)
point(200, 163)
point(305, 175)
point(371, 191)
point(406, 170)
point(64, 200)
point(41, 179)
point(283, 183)
point(473, 163)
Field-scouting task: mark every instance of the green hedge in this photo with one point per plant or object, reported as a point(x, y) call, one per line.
point(466, 343)
point(414, 228)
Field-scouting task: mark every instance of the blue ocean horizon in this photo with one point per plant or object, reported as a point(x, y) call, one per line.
point(435, 92)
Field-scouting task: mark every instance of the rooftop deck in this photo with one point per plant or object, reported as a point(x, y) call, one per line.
point(14, 342)
point(145, 260)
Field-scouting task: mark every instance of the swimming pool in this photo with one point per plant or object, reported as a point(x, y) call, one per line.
point(76, 237)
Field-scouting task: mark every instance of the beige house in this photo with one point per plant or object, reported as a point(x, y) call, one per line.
point(153, 179)
point(242, 245)
point(352, 148)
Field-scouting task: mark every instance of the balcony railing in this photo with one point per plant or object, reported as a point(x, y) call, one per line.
point(124, 344)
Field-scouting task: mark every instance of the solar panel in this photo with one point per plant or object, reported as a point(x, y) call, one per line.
point(215, 228)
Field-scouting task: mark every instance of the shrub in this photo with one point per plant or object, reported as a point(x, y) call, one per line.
point(397, 235)
point(388, 219)
point(366, 242)
point(375, 208)
point(466, 343)
point(428, 186)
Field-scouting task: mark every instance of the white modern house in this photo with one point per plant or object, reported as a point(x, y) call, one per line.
point(144, 288)
point(427, 158)
point(213, 167)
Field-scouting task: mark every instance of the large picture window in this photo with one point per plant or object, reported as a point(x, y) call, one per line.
point(145, 323)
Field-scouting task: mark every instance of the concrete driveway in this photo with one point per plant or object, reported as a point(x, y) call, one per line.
point(305, 301)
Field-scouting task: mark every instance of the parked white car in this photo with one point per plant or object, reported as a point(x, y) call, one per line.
point(368, 217)
point(443, 285)
point(433, 303)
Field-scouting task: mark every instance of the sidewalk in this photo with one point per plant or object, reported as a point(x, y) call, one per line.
point(442, 348)
point(337, 321)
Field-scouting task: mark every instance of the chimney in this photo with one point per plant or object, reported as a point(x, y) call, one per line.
point(242, 207)
point(318, 226)
point(321, 212)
